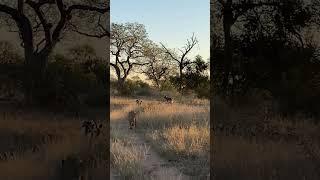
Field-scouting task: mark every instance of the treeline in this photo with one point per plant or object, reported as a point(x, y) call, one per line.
point(132, 52)
point(72, 79)
point(45, 78)
point(270, 47)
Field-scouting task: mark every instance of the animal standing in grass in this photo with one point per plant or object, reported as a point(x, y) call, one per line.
point(91, 128)
point(132, 119)
point(139, 102)
point(168, 99)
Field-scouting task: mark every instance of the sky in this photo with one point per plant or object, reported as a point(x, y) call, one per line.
point(100, 45)
point(171, 22)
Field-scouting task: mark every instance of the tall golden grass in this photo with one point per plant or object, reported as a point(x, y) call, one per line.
point(34, 143)
point(127, 157)
point(179, 131)
point(271, 153)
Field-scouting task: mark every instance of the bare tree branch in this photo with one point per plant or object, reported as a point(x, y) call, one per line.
point(46, 26)
point(190, 44)
point(170, 53)
point(105, 34)
point(127, 41)
point(10, 11)
point(39, 43)
point(87, 8)
point(20, 6)
point(182, 62)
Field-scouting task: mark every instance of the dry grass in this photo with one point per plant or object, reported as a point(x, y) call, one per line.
point(240, 158)
point(34, 143)
point(191, 142)
point(126, 157)
point(179, 131)
point(40, 165)
point(273, 153)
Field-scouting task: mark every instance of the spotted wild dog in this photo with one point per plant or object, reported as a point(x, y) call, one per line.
point(132, 119)
point(168, 99)
point(139, 102)
point(91, 128)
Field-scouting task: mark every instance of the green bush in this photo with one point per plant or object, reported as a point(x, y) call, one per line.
point(64, 83)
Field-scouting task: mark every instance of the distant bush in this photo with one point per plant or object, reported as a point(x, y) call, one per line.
point(140, 88)
point(64, 83)
point(144, 92)
point(167, 86)
point(11, 71)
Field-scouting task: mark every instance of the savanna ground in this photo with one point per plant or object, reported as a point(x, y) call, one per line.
point(252, 144)
point(35, 141)
point(171, 141)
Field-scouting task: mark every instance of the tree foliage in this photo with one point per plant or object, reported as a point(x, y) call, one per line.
point(127, 47)
point(167, 69)
point(158, 66)
point(264, 45)
point(41, 25)
point(181, 60)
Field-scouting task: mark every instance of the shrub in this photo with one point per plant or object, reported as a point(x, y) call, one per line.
point(65, 81)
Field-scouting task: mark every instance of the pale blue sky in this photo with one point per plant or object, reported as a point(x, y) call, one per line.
point(171, 22)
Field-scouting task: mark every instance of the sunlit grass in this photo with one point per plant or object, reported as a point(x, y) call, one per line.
point(126, 157)
point(178, 131)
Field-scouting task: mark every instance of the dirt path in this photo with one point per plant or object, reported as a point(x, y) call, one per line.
point(155, 167)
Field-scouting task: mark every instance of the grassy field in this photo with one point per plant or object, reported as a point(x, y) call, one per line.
point(126, 158)
point(248, 145)
point(33, 144)
point(179, 132)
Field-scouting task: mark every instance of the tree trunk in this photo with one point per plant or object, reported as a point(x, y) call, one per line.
point(35, 66)
point(106, 80)
point(157, 83)
point(121, 86)
point(227, 23)
point(180, 78)
point(120, 83)
point(29, 78)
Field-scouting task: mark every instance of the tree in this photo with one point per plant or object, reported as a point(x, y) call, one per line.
point(10, 68)
point(196, 79)
point(267, 18)
point(158, 66)
point(231, 11)
point(85, 55)
point(127, 48)
point(41, 25)
point(181, 60)
point(269, 51)
point(8, 54)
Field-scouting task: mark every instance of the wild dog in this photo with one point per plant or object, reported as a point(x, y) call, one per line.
point(168, 99)
point(132, 119)
point(139, 102)
point(91, 128)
